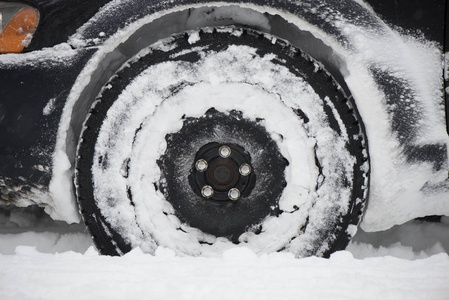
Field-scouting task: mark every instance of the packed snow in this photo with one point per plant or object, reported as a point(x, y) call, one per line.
point(57, 261)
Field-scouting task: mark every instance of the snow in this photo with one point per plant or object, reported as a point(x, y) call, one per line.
point(61, 182)
point(45, 58)
point(407, 262)
point(239, 274)
point(194, 37)
point(396, 185)
point(49, 107)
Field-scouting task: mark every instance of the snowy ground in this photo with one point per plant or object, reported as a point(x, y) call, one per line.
point(57, 261)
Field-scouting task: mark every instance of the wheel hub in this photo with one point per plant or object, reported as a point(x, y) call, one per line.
point(222, 173)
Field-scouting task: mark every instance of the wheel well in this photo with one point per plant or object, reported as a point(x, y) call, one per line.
point(191, 19)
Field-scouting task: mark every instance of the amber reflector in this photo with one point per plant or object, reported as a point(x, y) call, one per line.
point(18, 32)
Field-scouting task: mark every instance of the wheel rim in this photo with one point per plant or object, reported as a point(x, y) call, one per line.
point(230, 207)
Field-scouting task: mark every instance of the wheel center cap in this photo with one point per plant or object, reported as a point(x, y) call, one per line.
point(222, 174)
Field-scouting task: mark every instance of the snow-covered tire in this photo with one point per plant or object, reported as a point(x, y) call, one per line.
point(136, 177)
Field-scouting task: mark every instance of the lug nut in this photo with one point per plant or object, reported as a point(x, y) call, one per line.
point(224, 151)
point(234, 194)
point(201, 165)
point(207, 191)
point(245, 169)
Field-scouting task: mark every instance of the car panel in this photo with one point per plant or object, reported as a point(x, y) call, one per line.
point(34, 88)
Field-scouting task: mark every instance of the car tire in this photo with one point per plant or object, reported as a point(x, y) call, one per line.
point(180, 101)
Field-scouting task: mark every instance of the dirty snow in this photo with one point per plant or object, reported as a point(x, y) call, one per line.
point(407, 262)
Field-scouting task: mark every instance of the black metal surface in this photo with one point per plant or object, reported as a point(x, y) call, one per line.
point(446, 51)
point(28, 136)
point(426, 17)
point(219, 215)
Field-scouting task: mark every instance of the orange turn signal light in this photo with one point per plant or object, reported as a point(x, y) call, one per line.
point(18, 32)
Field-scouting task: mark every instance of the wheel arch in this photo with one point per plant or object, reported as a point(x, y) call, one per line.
point(299, 24)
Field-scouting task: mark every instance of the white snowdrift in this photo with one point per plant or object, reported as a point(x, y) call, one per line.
point(406, 262)
point(238, 274)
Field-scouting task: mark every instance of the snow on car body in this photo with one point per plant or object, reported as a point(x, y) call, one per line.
point(393, 82)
